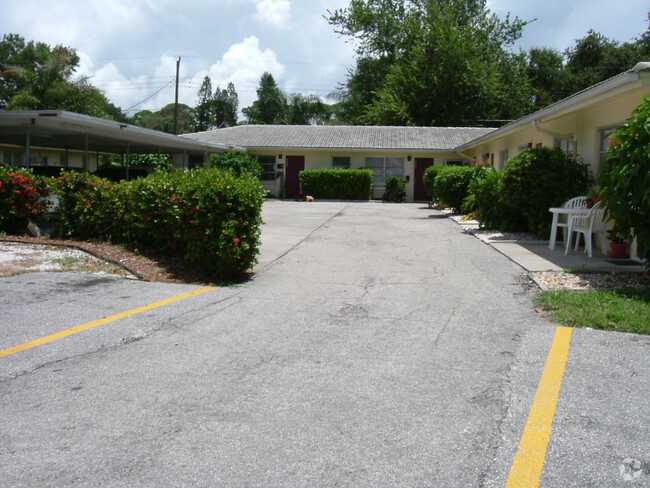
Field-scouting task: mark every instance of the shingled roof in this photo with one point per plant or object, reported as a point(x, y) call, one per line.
point(342, 137)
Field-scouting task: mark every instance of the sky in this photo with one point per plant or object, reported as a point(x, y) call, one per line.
point(129, 48)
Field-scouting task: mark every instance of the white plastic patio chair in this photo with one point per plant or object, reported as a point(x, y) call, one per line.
point(592, 223)
point(575, 202)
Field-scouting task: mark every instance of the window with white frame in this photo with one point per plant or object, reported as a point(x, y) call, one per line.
point(385, 167)
point(605, 143)
point(341, 162)
point(12, 158)
point(268, 167)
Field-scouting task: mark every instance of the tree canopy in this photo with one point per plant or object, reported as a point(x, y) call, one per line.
point(35, 76)
point(432, 62)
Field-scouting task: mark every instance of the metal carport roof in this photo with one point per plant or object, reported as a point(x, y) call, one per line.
point(67, 130)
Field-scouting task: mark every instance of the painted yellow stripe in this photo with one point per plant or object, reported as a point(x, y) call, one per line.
point(97, 323)
point(526, 471)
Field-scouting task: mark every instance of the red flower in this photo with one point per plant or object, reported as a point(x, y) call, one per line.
point(236, 239)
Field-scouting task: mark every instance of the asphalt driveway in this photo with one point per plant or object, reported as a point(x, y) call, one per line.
point(376, 345)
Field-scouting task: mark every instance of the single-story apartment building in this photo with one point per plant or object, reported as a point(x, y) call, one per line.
point(580, 124)
point(284, 151)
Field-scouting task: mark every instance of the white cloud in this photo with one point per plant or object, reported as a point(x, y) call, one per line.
point(273, 12)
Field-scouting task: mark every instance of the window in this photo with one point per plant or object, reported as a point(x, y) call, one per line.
point(503, 157)
point(605, 134)
point(385, 167)
point(38, 161)
point(341, 162)
point(12, 158)
point(63, 160)
point(567, 147)
point(268, 165)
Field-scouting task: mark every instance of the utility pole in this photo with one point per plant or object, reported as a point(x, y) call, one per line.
point(178, 64)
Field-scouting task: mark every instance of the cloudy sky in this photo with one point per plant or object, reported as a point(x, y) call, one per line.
point(129, 48)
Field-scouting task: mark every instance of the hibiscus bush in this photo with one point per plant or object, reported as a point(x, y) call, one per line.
point(21, 198)
point(625, 179)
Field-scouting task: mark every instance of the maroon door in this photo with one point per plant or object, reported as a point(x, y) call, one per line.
point(294, 165)
point(419, 192)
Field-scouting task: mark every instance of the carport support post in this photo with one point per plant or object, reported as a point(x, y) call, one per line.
point(128, 159)
point(28, 144)
point(86, 169)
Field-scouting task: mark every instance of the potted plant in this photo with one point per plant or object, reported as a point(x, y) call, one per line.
point(593, 196)
point(618, 244)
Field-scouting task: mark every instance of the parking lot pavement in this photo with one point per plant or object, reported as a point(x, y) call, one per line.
point(383, 347)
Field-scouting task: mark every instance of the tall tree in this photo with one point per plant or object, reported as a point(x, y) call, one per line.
point(35, 76)
point(441, 62)
point(271, 104)
point(548, 76)
point(205, 106)
point(163, 119)
point(306, 110)
point(225, 106)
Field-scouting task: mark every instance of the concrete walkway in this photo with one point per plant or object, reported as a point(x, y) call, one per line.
point(536, 256)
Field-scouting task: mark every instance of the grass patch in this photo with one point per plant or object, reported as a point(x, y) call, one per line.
point(617, 310)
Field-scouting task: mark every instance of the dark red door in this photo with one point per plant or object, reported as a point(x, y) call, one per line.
point(294, 165)
point(419, 192)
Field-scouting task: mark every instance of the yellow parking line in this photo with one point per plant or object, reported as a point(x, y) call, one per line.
point(527, 467)
point(97, 323)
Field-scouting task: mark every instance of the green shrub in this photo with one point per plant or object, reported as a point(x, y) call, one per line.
point(209, 216)
point(239, 163)
point(344, 184)
point(429, 177)
point(625, 178)
point(83, 210)
point(486, 189)
point(395, 190)
point(540, 178)
point(21, 198)
point(451, 185)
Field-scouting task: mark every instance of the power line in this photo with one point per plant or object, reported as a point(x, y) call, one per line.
point(150, 96)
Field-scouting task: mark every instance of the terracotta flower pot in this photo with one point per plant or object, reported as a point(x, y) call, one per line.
point(619, 250)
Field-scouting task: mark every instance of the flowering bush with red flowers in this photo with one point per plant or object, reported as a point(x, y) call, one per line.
point(21, 198)
point(87, 207)
point(211, 217)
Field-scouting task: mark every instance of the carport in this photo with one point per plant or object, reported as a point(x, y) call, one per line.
point(57, 129)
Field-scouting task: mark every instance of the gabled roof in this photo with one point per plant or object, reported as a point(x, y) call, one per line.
point(61, 129)
point(637, 76)
point(328, 137)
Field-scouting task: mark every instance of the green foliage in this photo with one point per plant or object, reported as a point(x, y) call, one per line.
point(21, 198)
point(36, 76)
point(441, 63)
point(345, 184)
point(209, 216)
point(81, 196)
point(625, 178)
point(487, 191)
point(240, 163)
point(625, 310)
point(540, 178)
point(451, 185)
point(163, 119)
point(429, 178)
point(395, 190)
point(271, 104)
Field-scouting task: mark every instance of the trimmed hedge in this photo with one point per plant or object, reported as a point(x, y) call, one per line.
point(539, 178)
point(210, 216)
point(429, 177)
point(451, 185)
point(344, 184)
